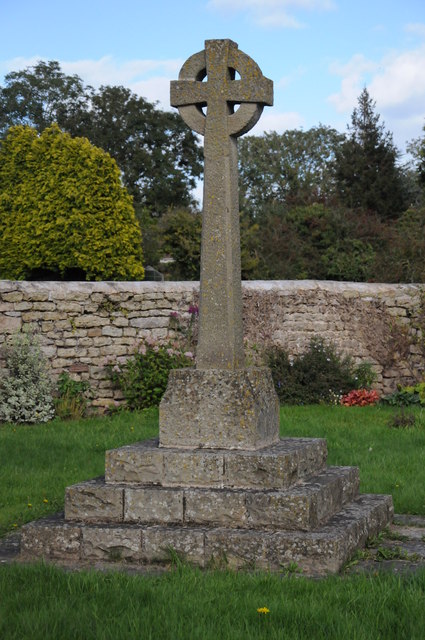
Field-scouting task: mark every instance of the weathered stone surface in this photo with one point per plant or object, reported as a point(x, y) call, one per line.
point(142, 462)
point(51, 538)
point(275, 467)
point(219, 409)
point(215, 507)
point(220, 343)
point(316, 552)
point(94, 501)
point(111, 543)
point(151, 504)
point(159, 541)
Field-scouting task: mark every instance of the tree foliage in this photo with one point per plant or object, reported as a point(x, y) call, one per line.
point(63, 209)
point(157, 153)
point(294, 168)
point(366, 165)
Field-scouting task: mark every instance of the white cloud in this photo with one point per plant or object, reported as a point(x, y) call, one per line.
point(275, 121)
point(396, 83)
point(417, 28)
point(272, 13)
point(353, 74)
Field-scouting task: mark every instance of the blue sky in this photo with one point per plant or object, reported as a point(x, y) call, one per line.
point(319, 53)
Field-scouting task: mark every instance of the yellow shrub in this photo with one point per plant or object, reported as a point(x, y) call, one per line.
point(63, 206)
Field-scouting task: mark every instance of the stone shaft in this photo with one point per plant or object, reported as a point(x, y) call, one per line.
point(220, 342)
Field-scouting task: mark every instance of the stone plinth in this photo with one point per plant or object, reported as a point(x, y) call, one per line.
point(219, 409)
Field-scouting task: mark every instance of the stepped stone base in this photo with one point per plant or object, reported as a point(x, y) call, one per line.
point(264, 508)
point(316, 553)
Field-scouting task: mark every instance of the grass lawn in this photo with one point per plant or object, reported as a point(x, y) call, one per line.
point(38, 462)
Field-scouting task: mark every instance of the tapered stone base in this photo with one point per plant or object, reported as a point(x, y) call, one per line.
point(219, 409)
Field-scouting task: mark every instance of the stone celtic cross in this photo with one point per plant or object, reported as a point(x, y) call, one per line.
point(207, 81)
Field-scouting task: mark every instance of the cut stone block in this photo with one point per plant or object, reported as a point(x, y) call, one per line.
point(273, 467)
point(141, 462)
point(151, 504)
point(219, 409)
point(160, 542)
point(51, 538)
point(94, 501)
point(111, 543)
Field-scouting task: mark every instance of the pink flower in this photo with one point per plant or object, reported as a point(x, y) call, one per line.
point(189, 354)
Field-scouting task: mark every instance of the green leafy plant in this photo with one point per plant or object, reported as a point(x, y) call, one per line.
point(72, 397)
point(406, 396)
point(26, 387)
point(143, 377)
point(318, 375)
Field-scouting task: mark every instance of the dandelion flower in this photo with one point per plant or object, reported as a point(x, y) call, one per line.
point(45, 501)
point(264, 610)
point(29, 505)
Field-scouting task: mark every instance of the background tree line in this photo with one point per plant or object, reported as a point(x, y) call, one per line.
point(314, 203)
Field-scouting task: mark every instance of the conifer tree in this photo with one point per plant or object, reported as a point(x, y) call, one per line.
point(367, 174)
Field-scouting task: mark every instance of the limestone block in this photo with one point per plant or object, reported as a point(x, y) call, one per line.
point(10, 324)
point(23, 306)
point(44, 306)
point(90, 320)
point(120, 321)
point(111, 544)
point(115, 332)
point(157, 542)
point(94, 501)
point(193, 468)
point(13, 296)
point(217, 508)
point(275, 467)
point(153, 505)
point(142, 462)
point(219, 409)
point(236, 549)
point(50, 538)
point(149, 322)
point(94, 332)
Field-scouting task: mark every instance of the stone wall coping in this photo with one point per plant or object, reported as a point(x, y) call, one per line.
point(288, 286)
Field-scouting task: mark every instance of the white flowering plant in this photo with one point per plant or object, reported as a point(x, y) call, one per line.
point(25, 385)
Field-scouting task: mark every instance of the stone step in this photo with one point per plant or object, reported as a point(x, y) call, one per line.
point(303, 506)
point(318, 552)
point(273, 467)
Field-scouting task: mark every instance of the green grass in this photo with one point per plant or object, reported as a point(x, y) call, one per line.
point(46, 603)
point(37, 462)
point(43, 603)
point(391, 461)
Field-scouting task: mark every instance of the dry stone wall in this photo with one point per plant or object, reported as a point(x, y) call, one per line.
point(82, 325)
